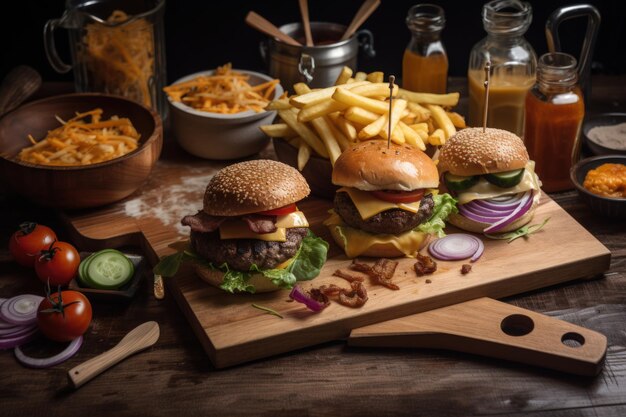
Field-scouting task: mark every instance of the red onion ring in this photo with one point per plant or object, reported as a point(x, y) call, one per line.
point(16, 331)
point(11, 342)
point(525, 204)
point(61, 357)
point(297, 294)
point(21, 309)
point(456, 247)
point(511, 202)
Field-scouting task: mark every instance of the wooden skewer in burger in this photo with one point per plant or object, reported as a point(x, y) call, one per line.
point(387, 205)
point(490, 174)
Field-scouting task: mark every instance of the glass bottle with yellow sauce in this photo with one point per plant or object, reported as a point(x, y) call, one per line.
point(425, 62)
point(554, 116)
point(513, 63)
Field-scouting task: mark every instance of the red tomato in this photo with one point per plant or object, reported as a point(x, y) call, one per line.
point(280, 211)
point(64, 316)
point(58, 264)
point(399, 196)
point(26, 243)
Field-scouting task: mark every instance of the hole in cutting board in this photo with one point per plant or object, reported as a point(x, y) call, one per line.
point(574, 340)
point(517, 325)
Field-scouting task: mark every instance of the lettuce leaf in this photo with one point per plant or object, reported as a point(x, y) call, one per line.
point(445, 205)
point(306, 265)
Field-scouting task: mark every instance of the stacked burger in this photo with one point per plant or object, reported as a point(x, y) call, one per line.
point(388, 204)
point(250, 236)
point(493, 179)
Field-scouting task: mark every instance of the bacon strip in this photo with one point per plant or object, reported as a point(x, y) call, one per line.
point(381, 272)
point(260, 224)
point(348, 275)
point(202, 222)
point(424, 265)
point(355, 298)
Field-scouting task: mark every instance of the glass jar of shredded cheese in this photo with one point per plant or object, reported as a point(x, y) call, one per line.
point(117, 47)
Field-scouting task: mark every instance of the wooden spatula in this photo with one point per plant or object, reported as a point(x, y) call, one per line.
point(141, 337)
point(491, 328)
point(263, 25)
point(367, 8)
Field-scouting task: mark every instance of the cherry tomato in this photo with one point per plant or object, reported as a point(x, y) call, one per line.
point(64, 316)
point(26, 243)
point(399, 196)
point(58, 264)
point(280, 211)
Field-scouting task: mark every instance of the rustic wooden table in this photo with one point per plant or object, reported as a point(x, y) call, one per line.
point(176, 377)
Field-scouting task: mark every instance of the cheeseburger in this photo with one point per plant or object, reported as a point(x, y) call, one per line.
point(387, 205)
point(491, 176)
point(250, 235)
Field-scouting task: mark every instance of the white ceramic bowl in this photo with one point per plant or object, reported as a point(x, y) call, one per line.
point(221, 136)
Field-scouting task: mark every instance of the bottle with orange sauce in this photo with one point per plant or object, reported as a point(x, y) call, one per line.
point(554, 116)
point(513, 63)
point(425, 62)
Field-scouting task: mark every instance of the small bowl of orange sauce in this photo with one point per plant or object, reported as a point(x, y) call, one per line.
point(601, 183)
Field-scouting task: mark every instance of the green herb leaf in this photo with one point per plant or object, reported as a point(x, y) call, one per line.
point(523, 231)
point(267, 310)
point(310, 258)
point(168, 266)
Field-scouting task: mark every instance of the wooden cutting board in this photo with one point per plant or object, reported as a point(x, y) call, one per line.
point(232, 331)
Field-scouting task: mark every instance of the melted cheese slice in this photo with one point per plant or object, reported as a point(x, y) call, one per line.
point(484, 189)
point(369, 206)
point(357, 241)
point(238, 229)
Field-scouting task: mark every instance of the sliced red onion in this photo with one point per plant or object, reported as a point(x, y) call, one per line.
point(16, 331)
point(21, 309)
point(478, 217)
point(487, 212)
point(297, 294)
point(61, 357)
point(511, 201)
point(11, 342)
point(457, 246)
point(524, 205)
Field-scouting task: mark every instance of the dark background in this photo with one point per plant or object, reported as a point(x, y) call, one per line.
point(203, 34)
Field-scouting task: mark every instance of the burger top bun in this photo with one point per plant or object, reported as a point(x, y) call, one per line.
point(474, 152)
point(253, 186)
point(371, 166)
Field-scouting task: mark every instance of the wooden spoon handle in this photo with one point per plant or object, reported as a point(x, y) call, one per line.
point(304, 11)
point(19, 84)
point(360, 17)
point(490, 328)
point(141, 337)
point(261, 24)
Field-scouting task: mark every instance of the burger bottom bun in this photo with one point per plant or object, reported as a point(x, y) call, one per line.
point(464, 223)
point(381, 250)
point(215, 278)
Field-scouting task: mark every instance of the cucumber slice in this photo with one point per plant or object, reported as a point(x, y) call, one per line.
point(506, 179)
point(83, 279)
point(108, 269)
point(458, 183)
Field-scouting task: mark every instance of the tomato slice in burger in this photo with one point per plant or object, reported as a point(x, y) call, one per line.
point(290, 208)
point(399, 196)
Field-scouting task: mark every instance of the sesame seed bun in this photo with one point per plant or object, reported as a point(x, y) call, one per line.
point(253, 186)
point(474, 152)
point(371, 166)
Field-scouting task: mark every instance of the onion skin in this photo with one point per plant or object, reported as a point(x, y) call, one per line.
point(297, 294)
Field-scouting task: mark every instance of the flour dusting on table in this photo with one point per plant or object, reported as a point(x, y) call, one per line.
point(170, 203)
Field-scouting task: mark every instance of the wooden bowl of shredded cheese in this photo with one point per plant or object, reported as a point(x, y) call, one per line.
point(210, 124)
point(79, 150)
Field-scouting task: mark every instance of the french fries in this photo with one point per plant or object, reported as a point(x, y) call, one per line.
point(326, 121)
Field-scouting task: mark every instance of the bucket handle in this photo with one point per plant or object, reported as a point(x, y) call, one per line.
point(593, 25)
point(306, 67)
point(51, 51)
point(366, 42)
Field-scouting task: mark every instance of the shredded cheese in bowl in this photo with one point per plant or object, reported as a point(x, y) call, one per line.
point(224, 92)
point(607, 180)
point(79, 141)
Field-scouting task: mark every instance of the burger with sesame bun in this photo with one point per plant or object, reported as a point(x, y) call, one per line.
point(491, 176)
point(388, 204)
point(250, 235)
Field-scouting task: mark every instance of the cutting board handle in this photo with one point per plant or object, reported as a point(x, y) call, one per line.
point(491, 328)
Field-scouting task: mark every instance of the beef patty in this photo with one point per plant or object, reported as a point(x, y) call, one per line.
point(394, 221)
point(241, 254)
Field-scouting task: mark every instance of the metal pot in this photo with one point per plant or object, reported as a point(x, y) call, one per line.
point(320, 65)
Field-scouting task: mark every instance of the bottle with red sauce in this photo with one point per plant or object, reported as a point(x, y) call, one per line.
point(554, 115)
